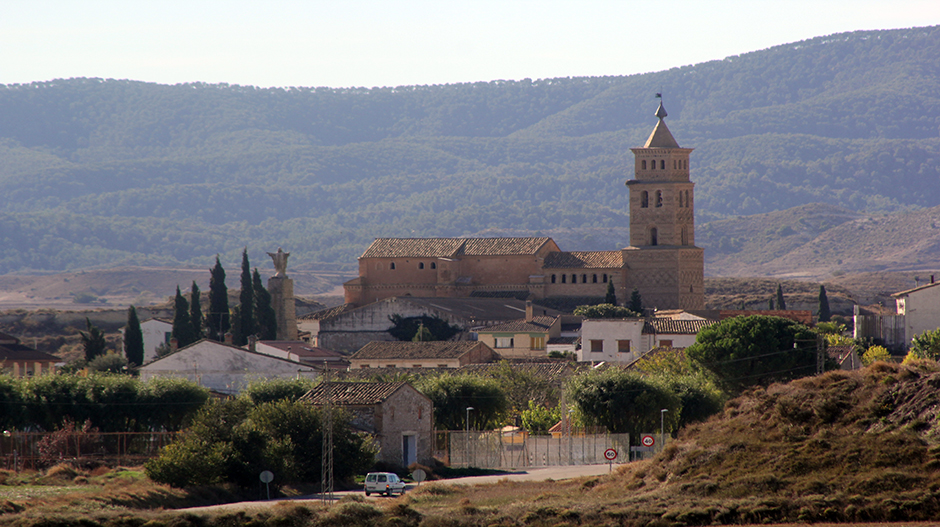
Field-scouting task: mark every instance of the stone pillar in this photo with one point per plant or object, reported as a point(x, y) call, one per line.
point(282, 300)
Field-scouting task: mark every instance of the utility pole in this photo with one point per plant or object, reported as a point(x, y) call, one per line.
point(326, 424)
point(820, 355)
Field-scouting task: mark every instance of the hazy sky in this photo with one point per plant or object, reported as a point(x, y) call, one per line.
point(402, 42)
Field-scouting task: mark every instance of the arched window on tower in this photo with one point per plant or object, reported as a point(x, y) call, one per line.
point(654, 236)
point(673, 164)
point(605, 278)
point(685, 236)
point(391, 266)
point(553, 279)
point(680, 199)
point(659, 198)
point(420, 265)
point(594, 279)
point(433, 265)
point(574, 279)
point(644, 199)
point(584, 279)
point(643, 164)
point(688, 202)
point(652, 164)
point(564, 277)
point(662, 164)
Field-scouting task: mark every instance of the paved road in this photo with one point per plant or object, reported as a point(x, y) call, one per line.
point(535, 474)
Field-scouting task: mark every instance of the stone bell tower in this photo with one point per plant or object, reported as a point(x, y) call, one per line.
point(662, 260)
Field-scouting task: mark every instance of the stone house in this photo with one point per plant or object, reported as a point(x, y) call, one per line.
point(920, 308)
point(19, 360)
point(223, 367)
point(399, 417)
point(435, 354)
point(348, 329)
point(624, 340)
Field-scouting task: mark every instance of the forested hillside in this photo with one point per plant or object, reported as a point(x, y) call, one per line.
point(104, 172)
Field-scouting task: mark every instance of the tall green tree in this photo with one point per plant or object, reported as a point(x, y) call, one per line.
point(781, 303)
point(217, 319)
point(246, 299)
point(182, 324)
point(622, 401)
point(755, 350)
point(93, 341)
point(133, 338)
point(611, 296)
point(265, 317)
point(195, 312)
point(824, 314)
point(636, 301)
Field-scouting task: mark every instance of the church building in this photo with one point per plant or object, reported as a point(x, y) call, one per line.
point(662, 261)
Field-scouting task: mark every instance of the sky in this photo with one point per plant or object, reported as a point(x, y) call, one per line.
point(345, 43)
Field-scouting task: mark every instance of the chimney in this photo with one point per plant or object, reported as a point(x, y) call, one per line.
point(174, 344)
point(228, 338)
point(528, 311)
point(252, 340)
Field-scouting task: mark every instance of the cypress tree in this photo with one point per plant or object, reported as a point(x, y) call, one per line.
point(182, 324)
point(217, 319)
point(265, 317)
point(781, 304)
point(133, 339)
point(824, 314)
point(246, 298)
point(611, 297)
point(636, 301)
point(423, 334)
point(770, 304)
point(195, 312)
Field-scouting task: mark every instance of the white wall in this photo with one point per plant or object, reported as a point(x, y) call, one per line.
point(610, 331)
point(155, 333)
point(222, 368)
point(922, 311)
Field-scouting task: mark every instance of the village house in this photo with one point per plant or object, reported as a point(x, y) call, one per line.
point(300, 351)
point(348, 329)
point(624, 340)
point(223, 367)
point(399, 417)
point(19, 360)
point(156, 333)
point(434, 354)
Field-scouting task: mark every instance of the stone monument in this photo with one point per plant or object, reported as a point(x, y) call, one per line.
point(282, 297)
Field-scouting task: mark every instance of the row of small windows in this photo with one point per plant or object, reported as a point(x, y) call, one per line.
point(677, 164)
point(684, 200)
point(574, 278)
point(420, 265)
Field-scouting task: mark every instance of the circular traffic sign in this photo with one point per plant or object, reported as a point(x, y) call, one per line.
point(648, 440)
point(419, 475)
point(267, 476)
point(610, 454)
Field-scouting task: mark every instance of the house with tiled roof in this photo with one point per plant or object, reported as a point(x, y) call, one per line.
point(399, 417)
point(300, 351)
point(20, 360)
point(223, 367)
point(351, 328)
point(434, 354)
point(623, 340)
point(526, 337)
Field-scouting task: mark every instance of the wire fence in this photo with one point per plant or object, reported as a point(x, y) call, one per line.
point(36, 450)
point(496, 449)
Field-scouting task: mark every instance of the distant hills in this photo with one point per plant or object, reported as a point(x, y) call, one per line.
point(104, 173)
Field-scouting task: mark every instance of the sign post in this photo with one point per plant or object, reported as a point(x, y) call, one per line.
point(267, 477)
point(610, 454)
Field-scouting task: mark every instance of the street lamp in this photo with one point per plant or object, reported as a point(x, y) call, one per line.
point(467, 434)
point(662, 428)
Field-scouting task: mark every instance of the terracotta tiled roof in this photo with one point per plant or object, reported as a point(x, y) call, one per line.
point(675, 327)
point(584, 260)
point(542, 370)
point(540, 323)
point(327, 313)
point(352, 393)
point(18, 352)
point(451, 247)
point(415, 350)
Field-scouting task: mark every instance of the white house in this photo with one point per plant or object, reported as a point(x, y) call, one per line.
point(224, 368)
point(623, 340)
point(156, 332)
point(920, 308)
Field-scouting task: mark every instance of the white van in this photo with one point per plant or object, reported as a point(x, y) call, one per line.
point(384, 483)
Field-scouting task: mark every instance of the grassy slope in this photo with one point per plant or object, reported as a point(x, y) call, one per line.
point(846, 446)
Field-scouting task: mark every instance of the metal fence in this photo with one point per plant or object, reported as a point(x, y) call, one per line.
point(494, 449)
point(32, 450)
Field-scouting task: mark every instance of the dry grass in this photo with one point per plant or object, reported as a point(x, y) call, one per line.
point(842, 447)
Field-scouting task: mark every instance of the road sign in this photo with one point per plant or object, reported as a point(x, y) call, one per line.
point(610, 454)
point(419, 475)
point(267, 476)
point(648, 440)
